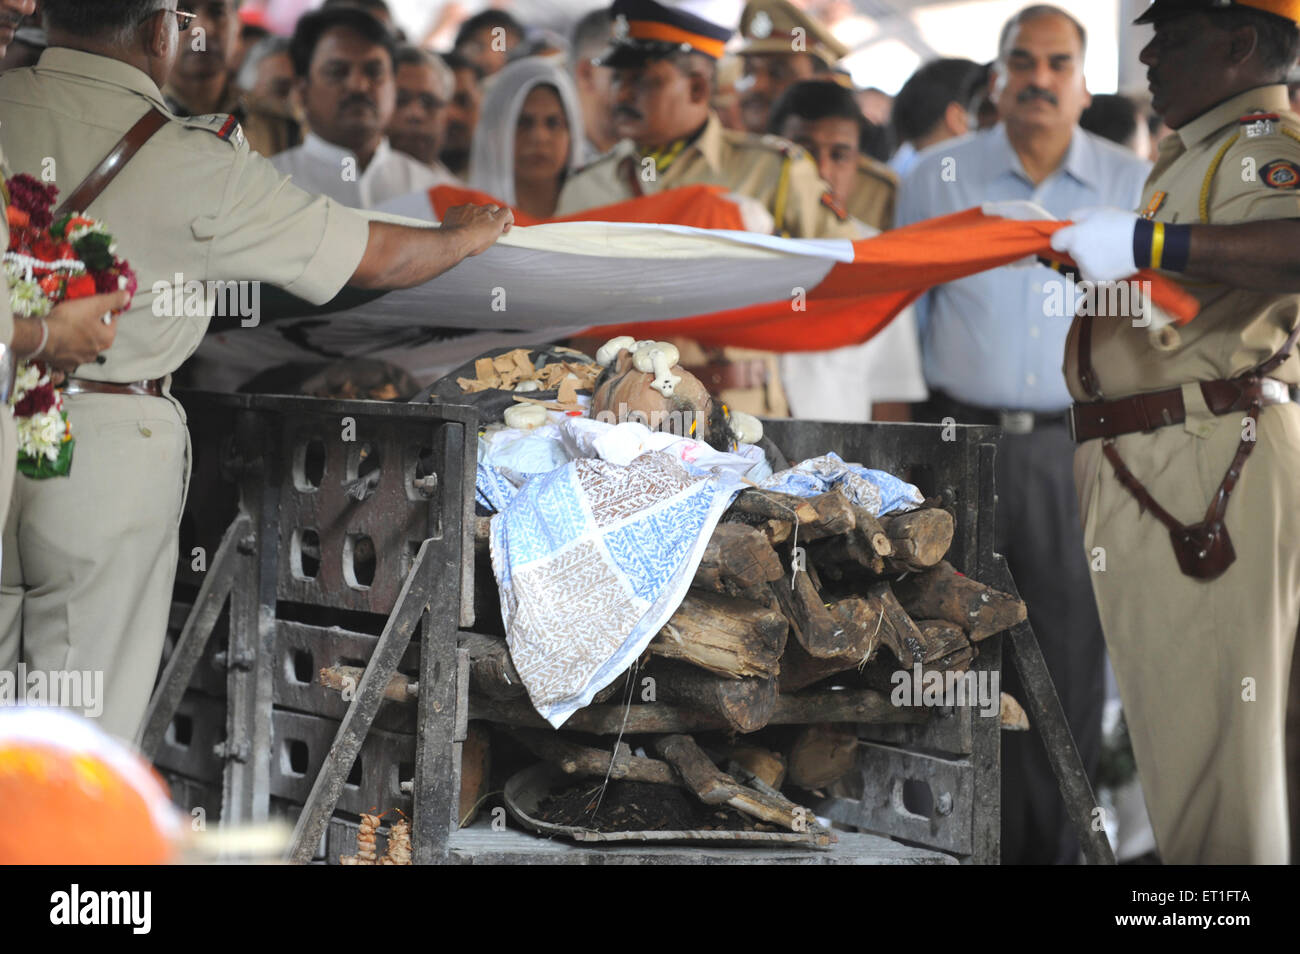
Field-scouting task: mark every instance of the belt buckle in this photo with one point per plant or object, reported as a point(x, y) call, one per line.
point(1069, 423)
point(1016, 422)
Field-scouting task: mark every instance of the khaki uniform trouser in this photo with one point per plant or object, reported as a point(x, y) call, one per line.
point(89, 559)
point(1203, 667)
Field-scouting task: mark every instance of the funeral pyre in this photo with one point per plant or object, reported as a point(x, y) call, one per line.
point(678, 611)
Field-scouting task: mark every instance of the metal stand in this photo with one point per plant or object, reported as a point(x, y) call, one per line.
point(357, 508)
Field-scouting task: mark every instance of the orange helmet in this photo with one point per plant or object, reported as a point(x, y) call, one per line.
point(72, 795)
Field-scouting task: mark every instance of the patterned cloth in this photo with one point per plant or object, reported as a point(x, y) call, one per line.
point(591, 561)
point(876, 491)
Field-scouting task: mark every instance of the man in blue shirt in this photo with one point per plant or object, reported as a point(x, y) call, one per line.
point(991, 350)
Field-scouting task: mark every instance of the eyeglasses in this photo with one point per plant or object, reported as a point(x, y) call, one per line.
point(183, 18)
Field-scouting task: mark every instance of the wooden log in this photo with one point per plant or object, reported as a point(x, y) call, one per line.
point(833, 554)
point(728, 637)
point(898, 630)
point(582, 760)
point(740, 554)
point(1012, 715)
point(920, 538)
point(771, 505)
point(764, 764)
point(400, 688)
point(491, 670)
point(811, 622)
point(940, 639)
point(870, 531)
point(714, 787)
point(860, 705)
point(743, 705)
point(822, 754)
point(943, 593)
point(835, 516)
point(862, 618)
point(475, 771)
point(483, 536)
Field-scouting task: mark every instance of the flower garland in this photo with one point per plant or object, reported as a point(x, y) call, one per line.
point(48, 262)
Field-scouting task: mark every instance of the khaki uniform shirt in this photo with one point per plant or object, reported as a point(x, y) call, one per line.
point(1220, 168)
point(874, 192)
point(194, 204)
point(774, 171)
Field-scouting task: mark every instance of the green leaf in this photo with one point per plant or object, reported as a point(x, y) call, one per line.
point(43, 468)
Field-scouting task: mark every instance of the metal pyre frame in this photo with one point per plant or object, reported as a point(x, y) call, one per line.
point(354, 509)
point(341, 535)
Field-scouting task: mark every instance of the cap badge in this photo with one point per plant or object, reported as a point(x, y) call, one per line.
point(761, 25)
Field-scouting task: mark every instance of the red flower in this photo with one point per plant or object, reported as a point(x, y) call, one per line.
point(36, 401)
point(34, 198)
point(81, 286)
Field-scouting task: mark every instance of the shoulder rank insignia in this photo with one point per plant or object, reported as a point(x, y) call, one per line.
point(1155, 205)
point(1259, 124)
point(835, 206)
point(221, 125)
point(1281, 174)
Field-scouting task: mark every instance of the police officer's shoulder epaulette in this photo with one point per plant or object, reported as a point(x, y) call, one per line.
point(776, 144)
point(835, 206)
point(222, 125)
point(1256, 125)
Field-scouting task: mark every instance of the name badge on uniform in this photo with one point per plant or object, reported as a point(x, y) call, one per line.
point(1154, 206)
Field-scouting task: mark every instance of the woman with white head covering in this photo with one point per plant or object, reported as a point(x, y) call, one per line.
point(529, 136)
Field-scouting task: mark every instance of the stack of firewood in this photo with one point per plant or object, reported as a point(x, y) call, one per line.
point(800, 612)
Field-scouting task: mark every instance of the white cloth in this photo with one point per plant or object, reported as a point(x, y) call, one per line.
point(326, 169)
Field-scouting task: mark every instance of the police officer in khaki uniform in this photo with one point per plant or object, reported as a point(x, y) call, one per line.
point(1190, 447)
point(73, 333)
point(663, 58)
point(89, 559)
point(784, 45)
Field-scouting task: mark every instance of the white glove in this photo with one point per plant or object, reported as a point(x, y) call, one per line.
point(1101, 242)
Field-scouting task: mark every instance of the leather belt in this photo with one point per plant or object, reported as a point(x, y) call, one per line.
point(1147, 412)
point(732, 375)
point(152, 388)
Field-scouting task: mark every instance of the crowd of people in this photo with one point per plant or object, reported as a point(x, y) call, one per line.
point(647, 95)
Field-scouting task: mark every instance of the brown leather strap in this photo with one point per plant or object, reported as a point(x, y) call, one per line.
point(1156, 409)
point(82, 196)
point(153, 388)
point(1283, 353)
point(1087, 375)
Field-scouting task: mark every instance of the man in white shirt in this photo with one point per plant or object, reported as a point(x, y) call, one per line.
point(345, 61)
